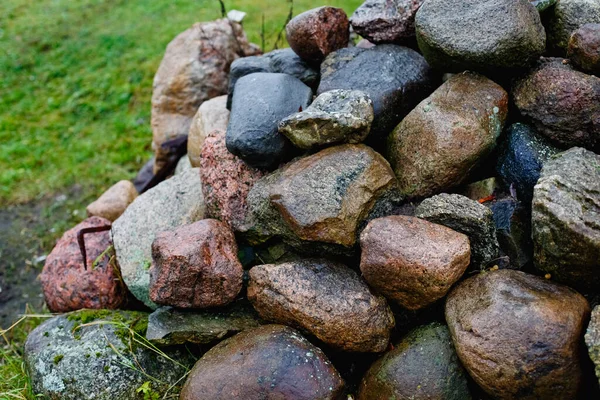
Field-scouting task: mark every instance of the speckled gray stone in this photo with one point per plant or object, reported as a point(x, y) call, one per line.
point(174, 202)
point(465, 216)
point(566, 218)
point(386, 21)
point(95, 361)
point(337, 116)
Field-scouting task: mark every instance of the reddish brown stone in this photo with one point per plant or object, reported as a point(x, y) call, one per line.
point(271, 362)
point(316, 33)
point(68, 286)
point(327, 299)
point(412, 261)
point(518, 335)
point(226, 181)
point(563, 104)
point(195, 266)
point(584, 48)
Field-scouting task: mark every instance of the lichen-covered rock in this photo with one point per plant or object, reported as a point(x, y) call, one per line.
point(269, 362)
point(68, 285)
point(226, 181)
point(316, 33)
point(479, 35)
point(281, 61)
point(562, 104)
point(338, 116)
point(168, 326)
point(447, 135)
point(423, 366)
point(592, 339)
point(195, 266)
point(194, 69)
point(211, 115)
point(521, 157)
point(384, 21)
point(326, 299)
point(411, 261)
point(92, 355)
point(465, 216)
point(322, 198)
point(584, 48)
point(174, 202)
point(518, 335)
point(112, 203)
point(259, 102)
point(565, 18)
point(566, 218)
point(395, 78)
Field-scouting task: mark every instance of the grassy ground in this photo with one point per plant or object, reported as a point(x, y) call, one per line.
point(75, 88)
point(76, 80)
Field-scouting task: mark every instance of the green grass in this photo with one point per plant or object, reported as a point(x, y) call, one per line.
point(76, 81)
point(75, 89)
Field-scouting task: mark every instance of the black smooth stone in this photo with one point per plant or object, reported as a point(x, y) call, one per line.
point(396, 78)
point(260, 102)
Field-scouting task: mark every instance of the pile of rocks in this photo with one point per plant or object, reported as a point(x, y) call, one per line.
point(416, 216)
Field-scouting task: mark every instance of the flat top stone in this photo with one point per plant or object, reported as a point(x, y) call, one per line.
point(169, 326)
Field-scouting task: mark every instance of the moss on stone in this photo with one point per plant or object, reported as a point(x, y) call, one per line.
point(58, 358)
point(126, 321)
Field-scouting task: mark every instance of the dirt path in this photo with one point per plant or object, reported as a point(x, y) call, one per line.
point(27, 234)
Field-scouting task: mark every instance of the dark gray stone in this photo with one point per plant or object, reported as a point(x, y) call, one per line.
point(67, 360)
point(479, 35)
point(513, 229)
point(423, 366)
point(465, 216)
point(521, 157)
point(566, 218)
point(144, 175)
point(260, 102)
point(283, 61)
point(395, 78)
point(245, 66)
point(338, 116)
point(169, 326)
point(386, 21)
